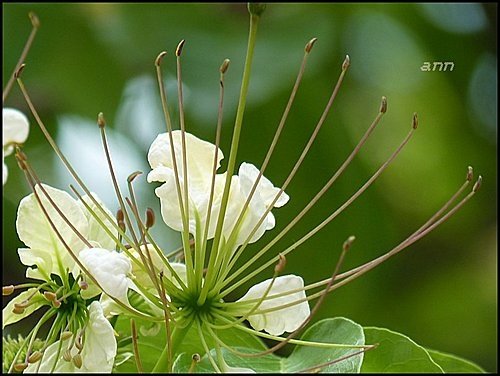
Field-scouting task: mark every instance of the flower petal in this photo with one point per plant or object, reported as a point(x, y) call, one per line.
point(35, 231)
point(98, 353)
point(15, 127)
point(282, 320)
point(110, 269)
point(96, 232)
point(199, 155)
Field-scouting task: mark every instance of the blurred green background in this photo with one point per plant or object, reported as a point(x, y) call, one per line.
point(442, 291)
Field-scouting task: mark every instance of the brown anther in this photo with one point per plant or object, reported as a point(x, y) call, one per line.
point(67, 356)
point(35, 357)
point(101, 122)
point(470, 173)
point(66, 335)
point(19, 70)
point(20, 367)
point(119, 215)
point(34, 20)
point(478, 184)
point(383, 105)
point(18, 310)
point(178, 50)
point(56, 303)
point(78, 343)
point(348, 243)
point(224, 66)
point(280, 266)
point(346, 63)
point(150, 218)
point(414, 122)
point(21, 305)
point(7, 290)
point(50, 296)
point(310, 45)
point(159, 58)
point(77, 361)
point(83, 285)
point(122, 226)
point(133, 175)
point(196, 357)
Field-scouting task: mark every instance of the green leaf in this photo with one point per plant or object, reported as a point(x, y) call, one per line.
point(303, 358)
point(396, 353)
point(454, 364)
point(335, 330)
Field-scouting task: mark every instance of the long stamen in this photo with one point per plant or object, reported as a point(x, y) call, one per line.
point(102, 126)
point(35, 22)
point(324, 345)
point(254, 22)
point(184, 215)
point(412, 239)
point(297, 165)
point(346, 246)
point(270, 151)
point(62, 157)
point(429, 226)
point(326, 187)
point(318, 227)
point(223, 69)
point(319, 367)
point(206, 348)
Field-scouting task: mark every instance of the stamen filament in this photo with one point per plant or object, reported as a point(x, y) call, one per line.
point(35, 22)
point(184, 215)
point(292, 174)
point(254, 22)
point(316, 198)
point(270, 151)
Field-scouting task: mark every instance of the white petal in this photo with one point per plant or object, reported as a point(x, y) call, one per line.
point(263, 196)
point(199, 155)
point(15, 126)
point(110, 269)
point(35, 231)
point(39, 258)
point(282, 320)
point(266, 190)
point(99, 349)
point(98, 354)
point(96, 232)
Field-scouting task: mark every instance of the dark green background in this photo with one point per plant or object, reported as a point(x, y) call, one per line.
point(441, 292)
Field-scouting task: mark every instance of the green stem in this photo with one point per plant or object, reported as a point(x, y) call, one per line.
point(178, 335)
point(254, 21)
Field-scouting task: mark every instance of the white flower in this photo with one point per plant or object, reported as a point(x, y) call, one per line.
point(199, 161)
point(200, 156)
point(97, 355)
point(281, 320)
point(262, 198)
point(45, 249)
point(110, 269)
point(15, 129)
